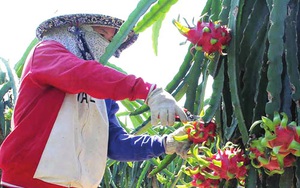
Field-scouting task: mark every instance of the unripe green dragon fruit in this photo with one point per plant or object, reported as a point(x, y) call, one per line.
point(279, 145)
point(208, 37)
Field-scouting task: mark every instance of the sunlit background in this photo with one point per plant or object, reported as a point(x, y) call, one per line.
point(20, 18)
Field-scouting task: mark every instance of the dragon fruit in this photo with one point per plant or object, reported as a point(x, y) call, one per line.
point(210, 164)
point(260, 156)
point(272, 165)
point(227, 163)
point(208, 37)
point(199, 132)
point(278, 147)
point(199, 180)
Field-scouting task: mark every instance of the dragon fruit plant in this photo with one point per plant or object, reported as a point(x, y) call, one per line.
point(208, 169)
point(208, 37)
point(278, 147)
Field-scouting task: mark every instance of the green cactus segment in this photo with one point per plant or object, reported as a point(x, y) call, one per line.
point(164, 163)
point(261, 95)
point(297, 171)
point(291, 55)
point(252, 75)
point(215, 99)
point(252, 28)
point(20, 64)
point(180, 91)
point(8, 95)
point(140, 110)
point(11, 79)
point(285, 178)
point(207, 8)
point(143, 174)
point(201, 89)
point(223, 16)
point(155, 33)
point(247, 11)
point(251, 55)
point(211, 9)
point(184, 68)
point(143, 127)
point(275, 52)
point(192, 81)
point(156, 12)
point(214, 65)
point(232, 72)
point(215, 9)
point(127, 26)
point(133, 109)
point(270, 4)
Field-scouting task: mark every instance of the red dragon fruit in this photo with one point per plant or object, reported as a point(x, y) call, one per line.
point(227, 163)
point(207, 167)
point(208, 37)
point(279, 145)
point(260, 156)
point(199, 180)
point(199, 132)
point(273, 165)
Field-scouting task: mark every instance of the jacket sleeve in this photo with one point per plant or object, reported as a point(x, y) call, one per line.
point(125, 147)
point(52, 64)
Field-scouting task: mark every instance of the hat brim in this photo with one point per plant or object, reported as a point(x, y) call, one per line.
point(86, 19)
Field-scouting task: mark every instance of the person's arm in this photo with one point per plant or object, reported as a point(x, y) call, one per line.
point(52, 64)
point(125, 147)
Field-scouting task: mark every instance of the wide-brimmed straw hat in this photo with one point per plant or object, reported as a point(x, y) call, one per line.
point(86, 19)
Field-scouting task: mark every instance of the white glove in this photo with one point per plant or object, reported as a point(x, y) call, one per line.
point(179, 147)
point(163, 106)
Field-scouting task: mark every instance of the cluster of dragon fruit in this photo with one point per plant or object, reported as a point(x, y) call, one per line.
point(208, 37)
point(278, 147)
point(208, 163)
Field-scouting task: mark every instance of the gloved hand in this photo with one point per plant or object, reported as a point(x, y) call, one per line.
point(179, 147)
point(163, 106)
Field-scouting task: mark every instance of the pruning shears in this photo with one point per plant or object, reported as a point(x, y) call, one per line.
point(190, 116)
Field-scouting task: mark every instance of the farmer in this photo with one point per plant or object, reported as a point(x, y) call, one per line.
point(64, 123)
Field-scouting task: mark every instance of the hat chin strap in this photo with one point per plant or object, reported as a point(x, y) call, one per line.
point(81, 43)
point(90, 43)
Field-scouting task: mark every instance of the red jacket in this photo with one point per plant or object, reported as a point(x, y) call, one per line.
point(50, 73)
